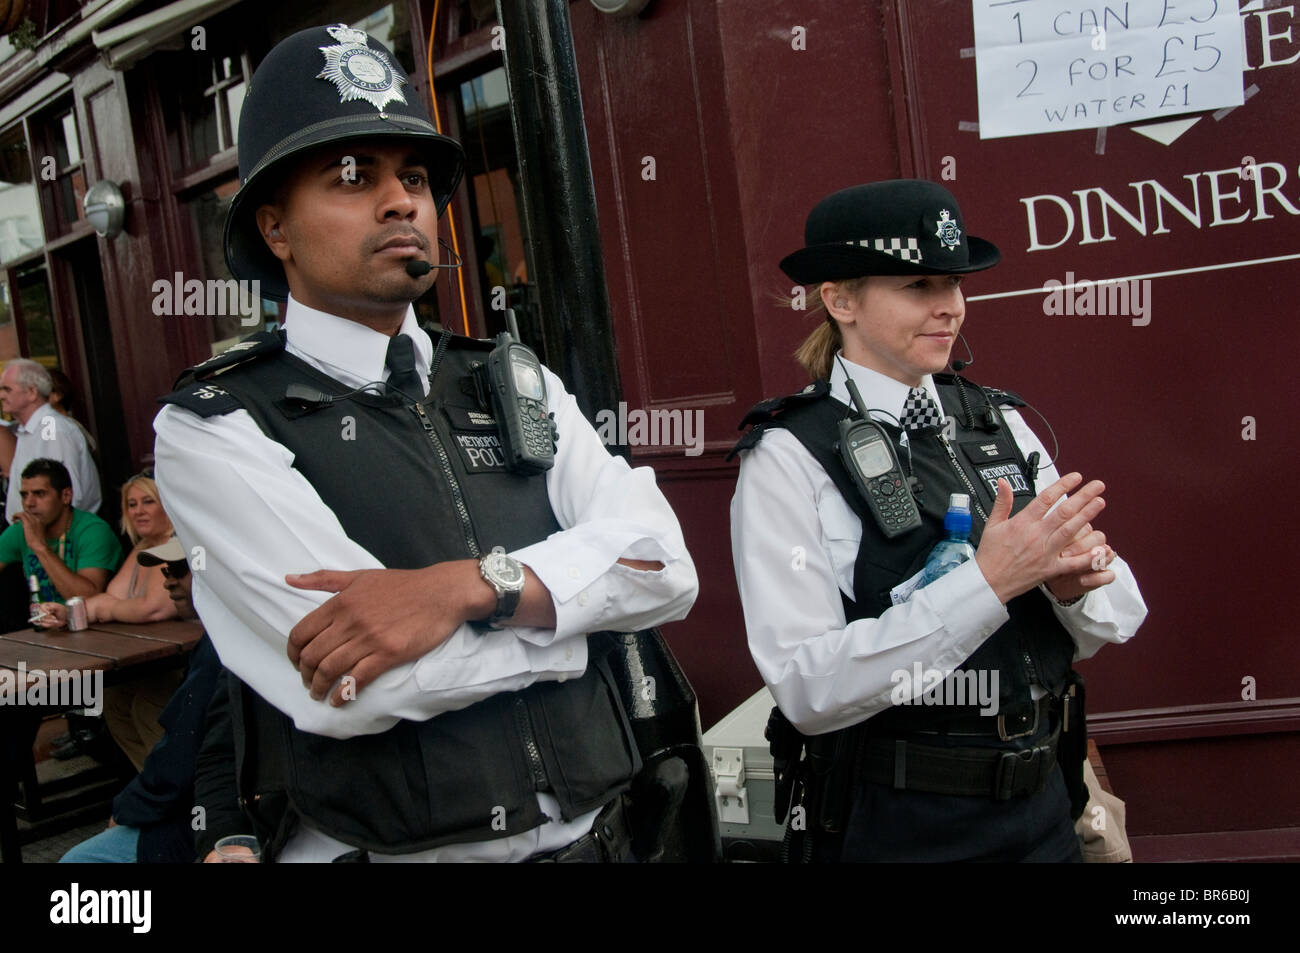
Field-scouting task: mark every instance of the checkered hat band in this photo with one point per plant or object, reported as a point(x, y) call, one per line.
point(905, 249)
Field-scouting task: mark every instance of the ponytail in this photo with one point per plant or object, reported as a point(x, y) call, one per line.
point(817, 353)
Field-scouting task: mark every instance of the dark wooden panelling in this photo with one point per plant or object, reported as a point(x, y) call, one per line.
point(710, 644)
point(1197, 768)
point(1227, 783)
point(145, 365)
point(1264, 716)
point(650, 92)
point(803, 123)
point(740, 125)
point(1280, 844)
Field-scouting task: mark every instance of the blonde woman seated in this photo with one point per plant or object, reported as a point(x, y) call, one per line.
point(136, 594)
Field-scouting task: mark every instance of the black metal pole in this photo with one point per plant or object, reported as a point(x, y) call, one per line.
point(559, 199)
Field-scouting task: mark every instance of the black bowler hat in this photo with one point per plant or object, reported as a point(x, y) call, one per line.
point(325, 84)
point(899, 227)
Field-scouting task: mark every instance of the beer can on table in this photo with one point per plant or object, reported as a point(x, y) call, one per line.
point(77, 614)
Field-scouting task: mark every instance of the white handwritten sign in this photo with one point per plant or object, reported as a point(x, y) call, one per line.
point(1052, 65)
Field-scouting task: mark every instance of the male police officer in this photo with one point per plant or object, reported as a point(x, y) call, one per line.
point(293, 459)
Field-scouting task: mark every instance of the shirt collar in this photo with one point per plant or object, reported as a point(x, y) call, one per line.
point(347, 350)
point(34, 421)
point(878, 391)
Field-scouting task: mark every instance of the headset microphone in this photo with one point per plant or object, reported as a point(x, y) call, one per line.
point(959, 366)
point(418, 267)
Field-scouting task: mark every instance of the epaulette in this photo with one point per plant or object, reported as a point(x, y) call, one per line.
point(460, 342)
point(765, 411)
point(249, 349)
point(194, 389)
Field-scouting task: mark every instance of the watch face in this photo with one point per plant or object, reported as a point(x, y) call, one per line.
point(507, 572)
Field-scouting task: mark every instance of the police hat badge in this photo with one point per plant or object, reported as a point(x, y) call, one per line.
point(358, 71)
point(948, 233)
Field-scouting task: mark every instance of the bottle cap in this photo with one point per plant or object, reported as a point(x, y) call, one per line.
point(957, 519)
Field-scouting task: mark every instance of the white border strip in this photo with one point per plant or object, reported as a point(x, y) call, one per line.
point(1152, 274)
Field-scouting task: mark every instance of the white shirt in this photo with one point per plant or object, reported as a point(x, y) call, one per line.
point(50, 434)
point(824, 674)
point(232, 490)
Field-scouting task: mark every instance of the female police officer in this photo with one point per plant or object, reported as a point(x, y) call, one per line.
point(906, 764)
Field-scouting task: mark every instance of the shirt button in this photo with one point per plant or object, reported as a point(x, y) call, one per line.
point(583, 599)
point(562, 678)
point(568, 653)
point(574, 572)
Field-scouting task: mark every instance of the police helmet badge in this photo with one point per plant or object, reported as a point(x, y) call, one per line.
point(949, 234)
point(359, 70)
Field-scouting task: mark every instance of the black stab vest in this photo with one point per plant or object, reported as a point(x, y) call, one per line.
point(1032, 645)
point(416, 490)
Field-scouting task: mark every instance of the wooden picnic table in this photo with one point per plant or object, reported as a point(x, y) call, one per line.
point(122, 651)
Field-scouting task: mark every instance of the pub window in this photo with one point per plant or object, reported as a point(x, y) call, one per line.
point(203, 99)
point(206, 212)
point(21, 230)
point(27, 316)
point(59, 168)
point(35, 309)
point(8, 327)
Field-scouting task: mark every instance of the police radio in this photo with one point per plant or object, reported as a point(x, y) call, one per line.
point(868, 455)
point(512, 381)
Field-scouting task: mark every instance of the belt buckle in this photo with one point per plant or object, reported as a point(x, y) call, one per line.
point(1033, 729)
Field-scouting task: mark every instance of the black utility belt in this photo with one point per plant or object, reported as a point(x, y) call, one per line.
point(608, 842)
point(1026, 724)
point(908, 765)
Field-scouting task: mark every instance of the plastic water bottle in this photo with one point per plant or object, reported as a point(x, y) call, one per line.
point(951, 552)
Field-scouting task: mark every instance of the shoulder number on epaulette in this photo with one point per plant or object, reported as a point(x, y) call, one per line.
point(204, 398)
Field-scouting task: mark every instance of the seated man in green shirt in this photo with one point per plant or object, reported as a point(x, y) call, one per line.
point(69, 551)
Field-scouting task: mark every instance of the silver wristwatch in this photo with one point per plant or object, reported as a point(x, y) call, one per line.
point(505, 575)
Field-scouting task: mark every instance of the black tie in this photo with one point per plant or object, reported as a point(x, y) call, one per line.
point(400, 361)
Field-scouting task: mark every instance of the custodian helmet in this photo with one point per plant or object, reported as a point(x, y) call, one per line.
point(324, 84)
